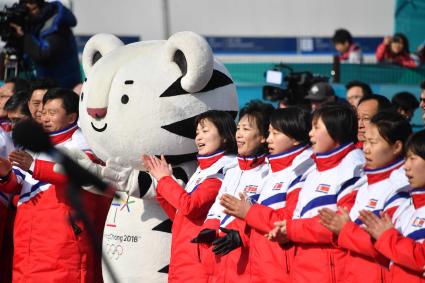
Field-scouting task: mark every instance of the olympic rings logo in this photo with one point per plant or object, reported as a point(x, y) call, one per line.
point(113, 251)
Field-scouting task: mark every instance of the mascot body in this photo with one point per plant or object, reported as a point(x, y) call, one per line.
point(142, 98)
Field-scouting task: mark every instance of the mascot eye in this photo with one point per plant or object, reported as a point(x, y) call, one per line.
point(82, 96)
point(124, 99)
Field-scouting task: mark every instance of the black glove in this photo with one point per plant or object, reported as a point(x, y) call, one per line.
point(206, 236)
point(227, 243)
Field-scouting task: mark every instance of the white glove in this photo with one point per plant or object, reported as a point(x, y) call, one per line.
point(121, 175)
point(126, 179)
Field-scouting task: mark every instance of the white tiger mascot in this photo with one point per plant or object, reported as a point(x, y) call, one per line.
point(142, 98)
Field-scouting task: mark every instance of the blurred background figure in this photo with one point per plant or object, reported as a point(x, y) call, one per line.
point(17, 108)
point(319, 94)
point(356, 90)
point(349, 52)
point(405, 103)
point(395, 50)
point(49, 41)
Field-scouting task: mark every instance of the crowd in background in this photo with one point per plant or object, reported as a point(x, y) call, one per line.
point(393, 50)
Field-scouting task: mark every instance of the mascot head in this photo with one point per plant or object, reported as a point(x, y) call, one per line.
point(142, 98)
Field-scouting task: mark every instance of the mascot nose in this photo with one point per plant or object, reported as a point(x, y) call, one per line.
point(97, 112)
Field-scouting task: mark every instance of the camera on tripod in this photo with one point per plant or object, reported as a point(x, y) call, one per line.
point(283, 84)
point(12, 50)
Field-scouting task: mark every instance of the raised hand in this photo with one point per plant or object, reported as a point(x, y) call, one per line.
point(234, 206)
point(5, 167)
point(158, 168)
point(21, 159)
point(332, 220)
point(375, 225)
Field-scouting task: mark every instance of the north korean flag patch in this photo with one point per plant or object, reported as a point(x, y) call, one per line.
point(323, 188)
point(418, 222)
point(372, 203)
point(277, 186)
point(250, 189)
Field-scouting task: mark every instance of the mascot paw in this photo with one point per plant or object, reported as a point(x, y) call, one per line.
point(120, 174)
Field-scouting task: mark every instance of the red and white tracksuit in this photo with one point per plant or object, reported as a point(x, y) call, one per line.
point(47, 247)
point(404, 244)
point(352, 56)
point(386, 189)
point(188, 208)
point(384, 54)
point(269, 261)
point(331, 184)
point(249, 177)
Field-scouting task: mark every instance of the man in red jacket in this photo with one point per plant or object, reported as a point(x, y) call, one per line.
point(50, 244)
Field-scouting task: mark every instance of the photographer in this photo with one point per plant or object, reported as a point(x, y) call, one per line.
point(49, 42)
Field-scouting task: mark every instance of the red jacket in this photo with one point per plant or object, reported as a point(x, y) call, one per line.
point(332, 184)
point(384, 54)
point(383, 192)
point(7, 219)
point(404, 245)
point(48, 248)
point(269, 261)
point(248, 177)
point(188, 208)
point(4, 200)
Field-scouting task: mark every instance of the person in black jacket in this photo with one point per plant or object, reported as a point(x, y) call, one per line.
point(50, 43)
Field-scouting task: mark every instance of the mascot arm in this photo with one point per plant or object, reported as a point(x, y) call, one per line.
point(193, 205)
point(139, 184)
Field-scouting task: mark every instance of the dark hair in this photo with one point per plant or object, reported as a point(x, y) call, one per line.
point(43, 83)
point(392, 126)
point(18, 84)
point(367, 91)
point(39, 3)
point(69, 99)
point(416, 144)
point(340, 121)
point(405, 100)
point(342, 36)
point(383, 102)
point(260, 112)
point(18, 101)
point(225, 125)
point(295, 122)
point(400, 37)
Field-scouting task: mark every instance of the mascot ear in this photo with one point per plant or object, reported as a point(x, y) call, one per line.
point(192, 53)
point(96, 47)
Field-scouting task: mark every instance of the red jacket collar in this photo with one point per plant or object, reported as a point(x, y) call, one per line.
point(330, 159)
point(6, 125)
point(283, 160)
point(60, 136)
point(207, 160)
point(250, 162)
point(359, 145)
point(418, 197)
point(382, 173)
point(344, 56)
